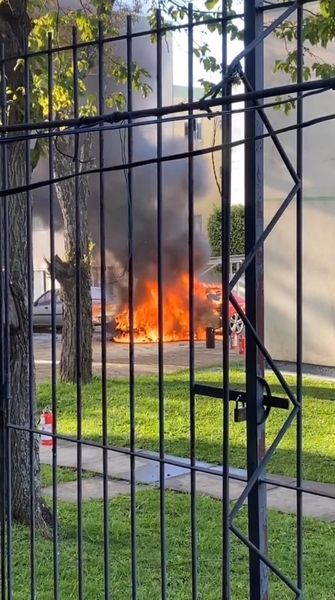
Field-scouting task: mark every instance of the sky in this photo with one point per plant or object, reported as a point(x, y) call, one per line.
point(180, 55)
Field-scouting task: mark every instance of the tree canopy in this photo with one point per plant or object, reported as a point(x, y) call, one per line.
point(49, 19)
point(53, 27)
point(214, 230)
point(319, 30)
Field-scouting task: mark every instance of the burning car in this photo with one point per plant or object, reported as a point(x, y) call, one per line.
point(175, 304)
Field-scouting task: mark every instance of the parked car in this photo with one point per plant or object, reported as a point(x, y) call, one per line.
point(42, 309)
point(236, 324)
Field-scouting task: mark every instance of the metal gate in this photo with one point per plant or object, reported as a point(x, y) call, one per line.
point(42, 545)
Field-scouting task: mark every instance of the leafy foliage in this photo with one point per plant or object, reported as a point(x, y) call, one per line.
point(214, 229)
point(174, 12)
point(59, 29)
point(319, 30)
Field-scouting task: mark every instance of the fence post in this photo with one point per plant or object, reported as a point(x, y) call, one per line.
point(2, 494)
point(258, 571)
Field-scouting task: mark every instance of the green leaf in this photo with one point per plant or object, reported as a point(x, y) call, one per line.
point(116, 100)
point(324, 6)
point(211, 4)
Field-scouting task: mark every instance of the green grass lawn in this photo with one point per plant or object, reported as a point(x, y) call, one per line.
point(319, 548)
point(318, 420)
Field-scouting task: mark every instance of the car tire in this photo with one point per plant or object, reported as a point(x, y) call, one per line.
point(236, 324)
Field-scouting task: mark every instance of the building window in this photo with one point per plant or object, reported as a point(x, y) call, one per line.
point(197, 128)
point(198, 223)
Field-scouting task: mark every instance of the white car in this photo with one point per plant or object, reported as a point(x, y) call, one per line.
point(42, 309)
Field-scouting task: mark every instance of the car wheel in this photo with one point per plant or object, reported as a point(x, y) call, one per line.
point(236, 324)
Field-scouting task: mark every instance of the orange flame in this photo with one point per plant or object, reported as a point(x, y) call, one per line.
point(175, 313)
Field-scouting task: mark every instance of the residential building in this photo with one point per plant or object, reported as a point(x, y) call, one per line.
point(318, 307)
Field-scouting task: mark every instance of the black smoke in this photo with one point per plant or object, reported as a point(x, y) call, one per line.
point(175, 199)
point(144, 180)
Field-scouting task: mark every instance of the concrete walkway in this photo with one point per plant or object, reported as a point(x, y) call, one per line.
point(147, 472)
point(176, 357)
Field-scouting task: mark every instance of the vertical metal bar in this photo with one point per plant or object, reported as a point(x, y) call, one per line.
point(131, 309)
point(53, 325)
point(3, 101)
point(191, 123)
point(299, 283)
point(3, 447)
point(226, 220)
point(30, 335)
point(3, 497)
point(226, 132)
point(257, 516)
point(161, 398)
point(78, 325)
point(101, 94)
point(6, 333)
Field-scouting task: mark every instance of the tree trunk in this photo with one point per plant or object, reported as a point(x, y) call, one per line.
point(14, 29)
point(19, 408)
point(77, 256)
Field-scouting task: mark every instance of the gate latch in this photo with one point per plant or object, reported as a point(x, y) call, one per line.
point(240, 411)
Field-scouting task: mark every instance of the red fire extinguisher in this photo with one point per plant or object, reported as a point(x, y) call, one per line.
point(241, 346)
point(46, 425)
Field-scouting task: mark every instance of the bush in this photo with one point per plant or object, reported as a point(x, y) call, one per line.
point(236, 231)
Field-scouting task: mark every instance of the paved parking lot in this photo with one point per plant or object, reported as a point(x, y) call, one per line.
point(176, 356)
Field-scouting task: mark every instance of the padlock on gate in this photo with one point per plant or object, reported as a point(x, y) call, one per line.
point(240, 412)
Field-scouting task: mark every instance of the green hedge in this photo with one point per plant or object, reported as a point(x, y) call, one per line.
point(236, 231)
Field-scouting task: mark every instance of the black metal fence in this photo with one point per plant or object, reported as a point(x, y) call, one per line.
point(85, 549)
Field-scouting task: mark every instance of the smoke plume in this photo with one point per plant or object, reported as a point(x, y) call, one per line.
point(175, 186)
point(175, 198)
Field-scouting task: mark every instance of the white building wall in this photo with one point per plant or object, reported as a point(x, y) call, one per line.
point(237, 159)
point(318, 227)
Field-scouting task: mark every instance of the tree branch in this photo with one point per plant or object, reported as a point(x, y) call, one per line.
point(64, 271)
